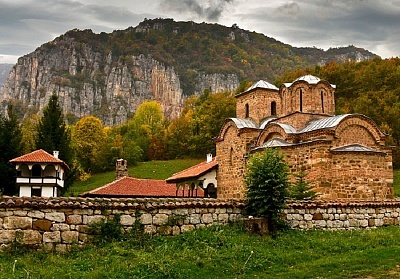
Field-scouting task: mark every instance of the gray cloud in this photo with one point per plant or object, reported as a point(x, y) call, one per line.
point(209, 10)
point(371, 24)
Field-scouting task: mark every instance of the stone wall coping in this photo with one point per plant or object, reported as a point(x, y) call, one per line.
point(115, 203)
point(171, 203)
point(344, 203)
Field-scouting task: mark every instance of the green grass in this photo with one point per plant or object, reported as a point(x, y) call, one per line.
point(150, 170)
point(222, 252)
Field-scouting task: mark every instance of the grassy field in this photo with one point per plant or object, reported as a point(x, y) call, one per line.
point(151, 170)
point(222, 252)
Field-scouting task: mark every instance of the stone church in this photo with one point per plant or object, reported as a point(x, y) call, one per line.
point(344, 156)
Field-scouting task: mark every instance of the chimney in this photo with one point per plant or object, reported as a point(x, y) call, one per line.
point(121, 169)
point(55, 153)
point(209, 158)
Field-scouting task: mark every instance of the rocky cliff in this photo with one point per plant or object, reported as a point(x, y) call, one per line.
point(91, 83)
point(109, 75)
point(4, 72)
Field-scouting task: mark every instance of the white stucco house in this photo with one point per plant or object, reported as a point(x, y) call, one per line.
point(40, 174)
point(198, 178)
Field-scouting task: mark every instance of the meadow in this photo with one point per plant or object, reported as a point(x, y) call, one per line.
point(220, 252)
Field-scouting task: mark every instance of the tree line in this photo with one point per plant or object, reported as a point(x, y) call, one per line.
point(370, 87)
point(89, 147)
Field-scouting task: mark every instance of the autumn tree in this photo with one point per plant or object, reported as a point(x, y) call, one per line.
point(29, 131)
point(147, 130)
point(88, 138)
point(10, 147)
point(208, 112)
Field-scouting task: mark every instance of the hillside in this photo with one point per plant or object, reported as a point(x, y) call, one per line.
point(4, 72)
point(109, 75)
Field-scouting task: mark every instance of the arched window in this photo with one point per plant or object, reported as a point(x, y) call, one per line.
point(210, 191)
point(273, 108)
point(36, 170)
point(231, 156)
point(322, 101)
point(247, 112)
point(301, 100)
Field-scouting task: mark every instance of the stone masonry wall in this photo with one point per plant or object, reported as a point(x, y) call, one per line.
point(342, 215)
point(57, 223)
point(259, 102)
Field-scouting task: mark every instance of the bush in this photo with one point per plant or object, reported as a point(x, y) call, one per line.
point(107, 230)
point(267, 186)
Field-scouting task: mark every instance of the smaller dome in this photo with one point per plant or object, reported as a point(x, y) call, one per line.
point(262, 84)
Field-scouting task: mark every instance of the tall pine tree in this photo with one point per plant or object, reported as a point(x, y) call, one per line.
point(10, 147)
point(53, 134)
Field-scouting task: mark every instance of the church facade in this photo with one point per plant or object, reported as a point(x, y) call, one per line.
point(344, 156)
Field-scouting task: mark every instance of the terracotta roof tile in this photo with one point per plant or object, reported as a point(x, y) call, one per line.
point(193, 172)
point(135, 187)
point(38, 156)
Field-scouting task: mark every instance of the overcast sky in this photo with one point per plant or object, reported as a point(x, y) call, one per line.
point(370, 24)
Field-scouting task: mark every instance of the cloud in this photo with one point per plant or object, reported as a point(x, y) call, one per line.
point(209, 10)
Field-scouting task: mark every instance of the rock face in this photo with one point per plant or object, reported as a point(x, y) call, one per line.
point(90, 83)
point(4, 71)
point(109, 75)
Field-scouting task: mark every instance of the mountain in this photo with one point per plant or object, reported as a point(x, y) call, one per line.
point(4, 72)
point(109, 74)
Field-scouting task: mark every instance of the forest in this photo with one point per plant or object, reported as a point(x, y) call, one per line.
point(369, 87)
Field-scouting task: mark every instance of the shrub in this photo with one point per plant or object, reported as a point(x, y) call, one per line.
point(107, 230)
point(267, 183)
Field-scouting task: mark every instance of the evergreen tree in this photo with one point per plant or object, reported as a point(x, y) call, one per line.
point(53, 134)
point(301, 189)
point(267, 185)
point(10, 148)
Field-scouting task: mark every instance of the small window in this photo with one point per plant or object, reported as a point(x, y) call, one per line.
point(36, 191)
point(36, 171)
point(273, 108)
point(247, 112)
point(301, 100)
point(322, 102)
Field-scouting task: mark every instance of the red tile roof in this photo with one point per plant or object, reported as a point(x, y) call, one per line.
point(38, 156)
point(193, 172)
point(135, 187)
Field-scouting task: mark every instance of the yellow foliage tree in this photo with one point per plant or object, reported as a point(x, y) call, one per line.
point(88, 137)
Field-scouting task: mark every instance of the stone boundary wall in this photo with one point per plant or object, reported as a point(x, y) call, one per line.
point(57, 223)
point(342, 215)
